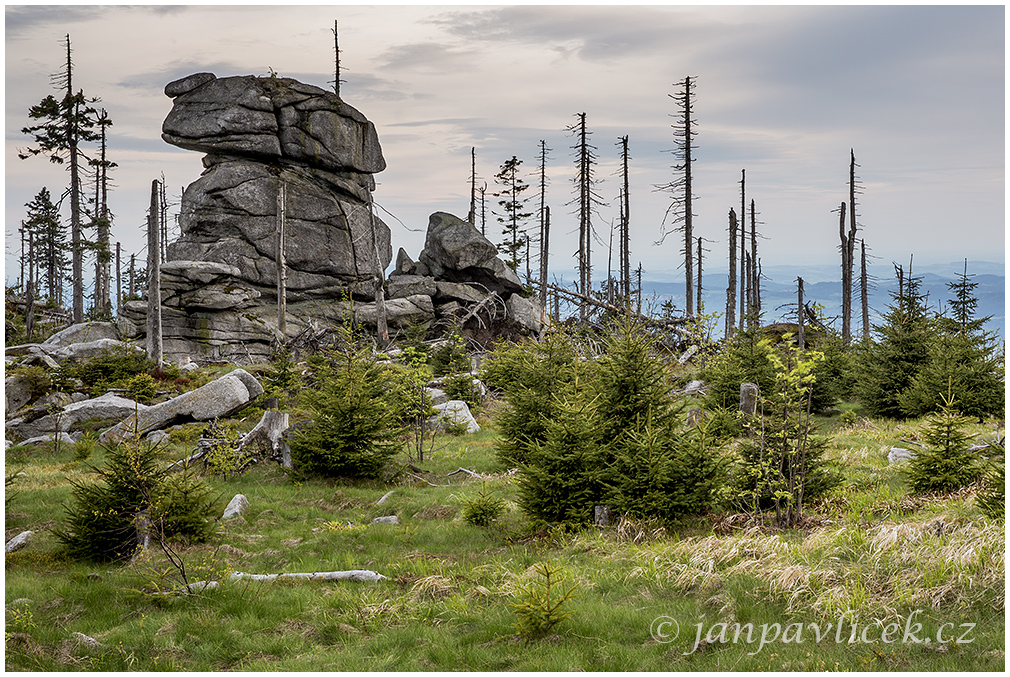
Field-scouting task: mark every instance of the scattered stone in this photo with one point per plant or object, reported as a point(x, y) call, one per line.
point(236, 507)
point(157, 437)
point(85, 640)
point(456, 412)
point(437, 395)
point(899, 454)
point(20, 541)
point(526, 313)
point(64, 438)
point(388, 519)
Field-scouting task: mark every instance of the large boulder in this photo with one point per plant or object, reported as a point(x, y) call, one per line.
point(526, 313)
point(455, 412)
point(400, 313)
point(17, 392)
point(229, 216)
point(218, 399)
point(262, 135)
point(455, 251)
point(107, 407)
point(89, 349)
point(270, 118)
point(82, 333)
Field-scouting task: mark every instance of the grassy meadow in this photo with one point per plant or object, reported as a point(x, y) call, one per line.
point(892, 568)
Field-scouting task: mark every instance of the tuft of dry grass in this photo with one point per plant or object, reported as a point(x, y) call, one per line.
point(950, 561)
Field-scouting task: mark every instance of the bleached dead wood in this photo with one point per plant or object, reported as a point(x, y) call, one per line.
point(670, 325)
point(471, 473)
point(359, 575)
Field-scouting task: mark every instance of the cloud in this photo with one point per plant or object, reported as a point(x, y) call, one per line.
point(428, 57)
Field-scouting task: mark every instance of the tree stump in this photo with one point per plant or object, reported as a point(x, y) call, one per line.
point(601, 515)
point(749, 398)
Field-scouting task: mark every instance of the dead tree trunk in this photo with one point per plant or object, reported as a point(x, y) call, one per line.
point(382, 329)
point(698, 305)
point(472, 216)
point(800, 338)
point(672, 324)
point(119, 279)
point(625, 254)
point(848, 253)
point(544, 223)
point(155, 349)
point(282, 267)
point(743, 246)
point(731, 284)
point(336, 61)
point(755, 283)
point(864, 293)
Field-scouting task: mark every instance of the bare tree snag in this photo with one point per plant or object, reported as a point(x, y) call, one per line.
point(800, 338)
point(336, 60)
point(545, 224)
point(743, 246)
point(119, 279)
point(731, 285)
point(864, 293)
point(282, 267)
point(625, 249)
point(472, 215)
point(382, 328)
point(155, 348)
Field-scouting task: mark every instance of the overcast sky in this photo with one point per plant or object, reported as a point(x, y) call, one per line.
point(783, 92)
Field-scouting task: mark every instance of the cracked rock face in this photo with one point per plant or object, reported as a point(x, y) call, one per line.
point(259, 134)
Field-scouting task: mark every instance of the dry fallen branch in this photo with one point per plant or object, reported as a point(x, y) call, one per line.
point(359, 575)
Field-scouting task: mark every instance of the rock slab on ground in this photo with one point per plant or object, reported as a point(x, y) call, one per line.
point(218, 399)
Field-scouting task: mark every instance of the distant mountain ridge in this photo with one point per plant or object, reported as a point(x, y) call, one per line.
point(822, 285)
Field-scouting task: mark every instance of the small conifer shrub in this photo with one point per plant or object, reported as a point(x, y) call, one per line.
point(947, 463)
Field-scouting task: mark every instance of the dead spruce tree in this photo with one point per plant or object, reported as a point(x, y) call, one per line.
point(680, 213)
point(587, 200)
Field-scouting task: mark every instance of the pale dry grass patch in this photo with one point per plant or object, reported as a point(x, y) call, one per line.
point(950, 561)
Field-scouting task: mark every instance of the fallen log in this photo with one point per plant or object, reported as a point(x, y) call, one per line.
point(359, 575)
point(671, 325)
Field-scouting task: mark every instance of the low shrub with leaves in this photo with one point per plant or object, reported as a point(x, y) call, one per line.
point(782, 463)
